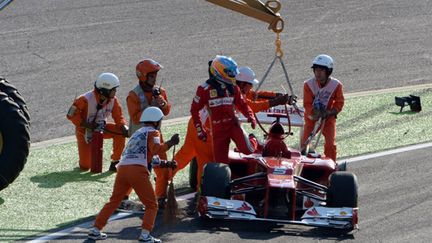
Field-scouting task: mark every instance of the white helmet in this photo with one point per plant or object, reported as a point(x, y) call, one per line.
point(151, 114)
point(323, 61)
point(246, 74)
point(107, 81)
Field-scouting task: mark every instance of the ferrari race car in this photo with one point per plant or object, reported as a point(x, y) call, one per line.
point(280, 185)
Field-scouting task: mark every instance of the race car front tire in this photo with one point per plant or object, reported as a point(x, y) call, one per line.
point(343, 190)
point(14, 140)
point(216, 180)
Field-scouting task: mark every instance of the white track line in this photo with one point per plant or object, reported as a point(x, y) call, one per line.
point(69, 230)
point(389, 152)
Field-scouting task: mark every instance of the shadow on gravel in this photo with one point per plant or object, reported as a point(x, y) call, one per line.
point(1, 201)
point(60, 178)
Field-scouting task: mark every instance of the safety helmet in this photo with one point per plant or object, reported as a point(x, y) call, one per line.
point(246, 74)
point(151, 114)
point(147, 66)
point(224, 69)
point(105, 83)
point(324, 61)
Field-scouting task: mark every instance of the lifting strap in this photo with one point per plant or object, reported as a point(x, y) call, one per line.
point(278, 57)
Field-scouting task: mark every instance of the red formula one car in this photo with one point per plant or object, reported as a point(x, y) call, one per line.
point(280, 185)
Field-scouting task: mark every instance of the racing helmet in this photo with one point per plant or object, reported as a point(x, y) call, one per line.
point(247, 75)
point(224, 69)
point(151, 114)
point(146, 66)
point(105, 83)
point(323, 61)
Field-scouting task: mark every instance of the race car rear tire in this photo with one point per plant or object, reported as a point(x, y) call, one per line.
point(13, 93)
point(216, 180)
point(15, 140)
point(343, 190)
point(193, 168)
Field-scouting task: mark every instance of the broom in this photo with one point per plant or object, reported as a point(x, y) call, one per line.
point(171, 211)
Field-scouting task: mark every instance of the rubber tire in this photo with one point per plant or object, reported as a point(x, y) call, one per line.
point(193, 169)
point(13, 93)
point(216, 180)
point(14, 128)
point(343, 190)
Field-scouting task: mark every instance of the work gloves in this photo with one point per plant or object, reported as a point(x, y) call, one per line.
point(125, 130)
point(159, 101)
point(160, 163)
point(89, 125)
point(93, 125)
point(282, 99)
point(202, 134)
point(168, 164)
point(322, 113)
point(175, 139)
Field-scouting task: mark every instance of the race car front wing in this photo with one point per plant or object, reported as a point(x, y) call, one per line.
point(339, 218)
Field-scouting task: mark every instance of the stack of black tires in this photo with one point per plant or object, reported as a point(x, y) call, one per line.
point(14, 133)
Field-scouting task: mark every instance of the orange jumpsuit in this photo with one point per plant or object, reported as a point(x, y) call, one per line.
point(193, 147)
point(260, 104)
point(79, 113)
point(331, 95)
point(137, 100)
point(133, 173)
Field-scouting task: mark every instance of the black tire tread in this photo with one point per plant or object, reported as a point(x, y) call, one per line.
point(216, 180)
point(16, 96)
point(14, 128)
point(193, 168)
point(343, 190)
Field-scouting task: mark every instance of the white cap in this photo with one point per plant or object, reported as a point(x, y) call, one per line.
point(323, 60)
point(246, 74)
point(107, 81)
point(151, 114)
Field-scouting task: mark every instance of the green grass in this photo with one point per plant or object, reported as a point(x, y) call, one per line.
point(51, 192)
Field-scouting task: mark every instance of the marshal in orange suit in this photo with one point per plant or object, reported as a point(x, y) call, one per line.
point(93, 108)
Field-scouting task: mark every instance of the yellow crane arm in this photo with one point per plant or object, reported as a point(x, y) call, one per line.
point(267, 12)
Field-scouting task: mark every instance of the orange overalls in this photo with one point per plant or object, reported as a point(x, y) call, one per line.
point(137, 100)
point(133, 173)
point(260, 104)
point(84, 109)
point(195, 147)
point(331, 96)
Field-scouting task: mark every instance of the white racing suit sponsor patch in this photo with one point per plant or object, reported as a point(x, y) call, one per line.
point(221, 101)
